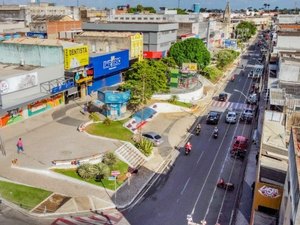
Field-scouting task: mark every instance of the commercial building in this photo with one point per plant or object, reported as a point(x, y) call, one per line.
point(12, 13)
point(107, 69)
point(101, 42)
point(157, 37)
point(290, 207)
point(54, 27)
point(272, 163)
point(32, 77)
point(286, 41)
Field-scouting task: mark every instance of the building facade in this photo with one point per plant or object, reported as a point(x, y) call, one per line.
point(157, 37)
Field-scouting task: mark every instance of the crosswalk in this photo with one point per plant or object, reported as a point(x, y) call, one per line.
point(236, 106)
point(96, 219)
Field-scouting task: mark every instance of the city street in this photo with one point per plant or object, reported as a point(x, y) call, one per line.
point(189, 187)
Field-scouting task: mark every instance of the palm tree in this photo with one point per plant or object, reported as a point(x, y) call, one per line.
point(85, 171)
point(110, 159)
point(100, 170)
point(265, 5)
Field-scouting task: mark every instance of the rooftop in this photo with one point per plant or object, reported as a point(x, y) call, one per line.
point(41, 42)
point(288, 33)
point(105, 34)
point(9, 70)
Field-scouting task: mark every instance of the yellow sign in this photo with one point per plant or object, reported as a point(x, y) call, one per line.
point(137, 46)
point(85, 79)
point(189, 66)
point(76, 57)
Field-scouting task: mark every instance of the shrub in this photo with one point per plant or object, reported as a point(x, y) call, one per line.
point(145, 146)
point(212, 73)
point(173, 98)
point(110, 159)
point(86, 171)
point(107, 121)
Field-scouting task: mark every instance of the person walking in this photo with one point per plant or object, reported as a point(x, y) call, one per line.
point(20, 145)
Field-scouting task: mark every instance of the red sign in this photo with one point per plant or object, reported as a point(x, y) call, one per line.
point(153, 55)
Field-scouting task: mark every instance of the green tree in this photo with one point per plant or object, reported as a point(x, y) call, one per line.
point(144, 79)
point(110, 159)
point(100, 170)
point(169, 61)
point(225, 57)
point(140, 8)
point(150, 9)
point(191, 50)
point(212, 73)
point(244, 30)
point(85, 171)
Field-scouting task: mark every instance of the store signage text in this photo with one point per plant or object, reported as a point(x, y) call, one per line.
point(18, 83)
point(62, 87)
point(76, 57)
point(269, 192)
point(112, 63)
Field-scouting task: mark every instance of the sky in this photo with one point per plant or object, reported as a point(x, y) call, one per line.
point(187, 4)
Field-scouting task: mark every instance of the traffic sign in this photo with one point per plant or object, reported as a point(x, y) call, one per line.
point(112, 178)
point(115, 173)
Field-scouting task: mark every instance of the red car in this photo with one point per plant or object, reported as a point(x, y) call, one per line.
point(240, 144)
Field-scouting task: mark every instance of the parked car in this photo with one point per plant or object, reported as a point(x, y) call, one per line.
point(252, 99)
point(223, 97)
point(213, 117)
point(155, 138)
point(231, 117)
point(247, 116)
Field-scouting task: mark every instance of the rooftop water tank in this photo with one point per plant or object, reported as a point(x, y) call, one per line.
point(16, 35)
point(7, 36)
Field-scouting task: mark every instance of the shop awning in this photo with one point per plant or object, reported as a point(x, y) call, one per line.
point(98, 103)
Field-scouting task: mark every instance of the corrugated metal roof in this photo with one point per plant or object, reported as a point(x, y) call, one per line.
point(38, 41)
point(277, 96)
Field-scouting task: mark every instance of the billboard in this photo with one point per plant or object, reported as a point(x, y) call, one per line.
point(110, 63)
point(189, 67)
point(76, 57)
point(18, 83)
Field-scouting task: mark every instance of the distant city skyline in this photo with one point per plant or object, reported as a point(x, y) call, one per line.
point(186, 4)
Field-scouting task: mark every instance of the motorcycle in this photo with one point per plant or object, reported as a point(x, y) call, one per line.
point(215, 134)
point(227, 186)
point(232, 78)
point(187, 150)
point(198, 131)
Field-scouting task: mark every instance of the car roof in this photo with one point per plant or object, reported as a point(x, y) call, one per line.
point(241, 138)
point(231, 112)
point(151, 133)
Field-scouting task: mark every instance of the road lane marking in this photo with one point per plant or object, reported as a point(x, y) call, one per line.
point(200, 157)
point(185, 186)
point(198, 197)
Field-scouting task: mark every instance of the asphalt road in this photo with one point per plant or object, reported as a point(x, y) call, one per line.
point(189, 187)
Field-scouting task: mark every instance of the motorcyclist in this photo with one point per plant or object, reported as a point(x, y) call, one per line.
point(198, 128)
point(188, 146)
point(216, 130)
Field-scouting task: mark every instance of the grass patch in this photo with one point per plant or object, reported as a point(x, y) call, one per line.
point(115, 130)
point(120, 166)
point(182, 104)
point(24, 196)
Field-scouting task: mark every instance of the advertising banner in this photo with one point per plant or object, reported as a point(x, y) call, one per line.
point(18, 83)
point(76, 57)
point(110, 63)
point(189, 66)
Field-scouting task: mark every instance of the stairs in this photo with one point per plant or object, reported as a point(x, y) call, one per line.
point(131, 155)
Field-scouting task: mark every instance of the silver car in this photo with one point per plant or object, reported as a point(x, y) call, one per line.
point(155, 138)
point(231, 117)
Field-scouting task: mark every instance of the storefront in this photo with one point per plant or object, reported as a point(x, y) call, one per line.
point(28, 93)
point(75, 61)
point(107, 69)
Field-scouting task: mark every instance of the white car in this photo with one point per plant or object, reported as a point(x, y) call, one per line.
point(231, 117)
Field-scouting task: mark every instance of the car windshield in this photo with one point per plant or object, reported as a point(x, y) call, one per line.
point(248, 111)
point(213, 114)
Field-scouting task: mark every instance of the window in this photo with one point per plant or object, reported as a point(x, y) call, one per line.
point(151, 18)
point(139, 18)
point(133, 18)
point(145, 18)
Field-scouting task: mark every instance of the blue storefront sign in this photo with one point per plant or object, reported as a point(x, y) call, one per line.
point(41, 35)
point(228, 43)
point(62, 87)
point(110, 63)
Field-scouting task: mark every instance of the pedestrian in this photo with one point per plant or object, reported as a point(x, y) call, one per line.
point(20, 146)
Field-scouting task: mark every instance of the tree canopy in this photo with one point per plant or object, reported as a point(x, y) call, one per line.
point(139, 8)
point(244, 30)
point(144, 79)
point(190, 50)
point(225, 57)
